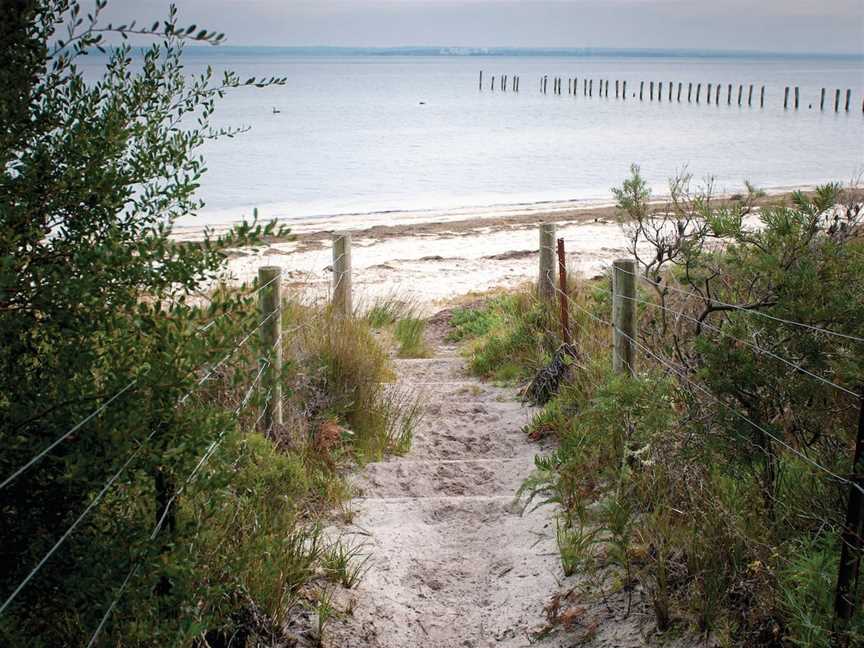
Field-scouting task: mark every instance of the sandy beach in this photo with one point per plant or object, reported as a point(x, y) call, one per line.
point(431, 258)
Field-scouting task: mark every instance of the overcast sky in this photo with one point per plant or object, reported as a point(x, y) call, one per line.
point(828, 26)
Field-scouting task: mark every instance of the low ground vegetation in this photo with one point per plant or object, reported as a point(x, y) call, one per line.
point(670, 498)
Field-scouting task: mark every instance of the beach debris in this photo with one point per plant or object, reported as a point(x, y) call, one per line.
point(548, 380)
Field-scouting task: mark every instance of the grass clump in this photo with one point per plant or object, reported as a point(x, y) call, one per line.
point(410, 333)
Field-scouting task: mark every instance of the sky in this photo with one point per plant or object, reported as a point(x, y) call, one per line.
point(818, 26)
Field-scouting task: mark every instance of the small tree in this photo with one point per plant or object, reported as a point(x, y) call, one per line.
point(97, 302)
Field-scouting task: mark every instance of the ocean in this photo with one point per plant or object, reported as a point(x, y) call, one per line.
point(396, 133)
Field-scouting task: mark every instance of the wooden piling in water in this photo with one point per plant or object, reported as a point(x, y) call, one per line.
point(546, 280)
point(493, 83)
point(786, 98)
point(717, 95)
point(680, 85)
point(797, 92)
point(342, 298)
point(616, 88)
point(729, 95)
point(837, 100)
point(270, 304)
point(822, 100)
point(590, 87)
point(698, 91)
point(660, 91)
point(481, 79)
point(762, 97)
point(708, 94)
point(848, 98)
point(641, 89)
point(624, 316)
point(750, 96)
point(689, 91)
point(670, 91)
point(623, 89)
point(740, 91)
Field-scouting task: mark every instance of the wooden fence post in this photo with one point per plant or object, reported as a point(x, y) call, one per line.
point(624, 316)
point(848, 98)
point(270, 301)
point(546, 281)
point(342, 299)
point(481, 79)
point(846, 598)
point(562, 286)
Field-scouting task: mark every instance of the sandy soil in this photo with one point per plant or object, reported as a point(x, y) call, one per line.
point(432, 261)
point(454, 563)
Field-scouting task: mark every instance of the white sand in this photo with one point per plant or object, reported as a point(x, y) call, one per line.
point(430, 269)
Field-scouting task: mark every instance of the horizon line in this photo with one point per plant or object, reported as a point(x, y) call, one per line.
point(480, 51)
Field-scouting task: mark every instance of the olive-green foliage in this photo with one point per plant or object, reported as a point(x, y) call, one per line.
point(97, 298)
point(512, 335)
point(725, 526)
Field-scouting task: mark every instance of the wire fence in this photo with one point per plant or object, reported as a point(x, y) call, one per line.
point(624, 331)
point(269, 365)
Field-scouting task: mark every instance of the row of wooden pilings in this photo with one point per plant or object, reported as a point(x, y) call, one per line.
point(714, 93)
point(503, 82)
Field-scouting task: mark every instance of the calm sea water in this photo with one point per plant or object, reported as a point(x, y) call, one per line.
point(372, 133)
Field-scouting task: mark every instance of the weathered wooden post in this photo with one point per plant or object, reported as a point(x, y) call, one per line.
point(762, 97)
point(698, 91)
point(680, 85)
point(670, 91)
point(708, 94)
point(659, 91)
point(562, 293)
point(624, 316)
point(851, 540)
point(837, 100)
point(616, 88)
point(729, 95)
point(689, 91)
point(848, 98)
point(822, 100)
point(342, 298)
point(796, 97)
point(590, 87)
point(641, 89)
point(740, 91)
point(492, 87)
point(546, 281)
point(651, 91)
point(270, 302)
point(481, 79)
point(623, 89)
point(750, 96)
point(786, 98)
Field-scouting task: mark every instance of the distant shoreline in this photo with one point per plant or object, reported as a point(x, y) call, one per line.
point(395, 222)
point(526, 52)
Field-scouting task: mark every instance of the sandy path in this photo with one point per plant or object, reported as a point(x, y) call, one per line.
point(454, 563)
